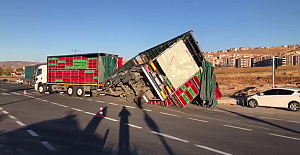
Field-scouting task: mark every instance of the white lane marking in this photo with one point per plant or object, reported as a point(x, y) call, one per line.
point(89, 99)
point(15, 93)
point(147, 110)
point(76, 109)
point(199, 120)
point(6, 94)
point(90, 113)
point(59, 104)
point(293, 121)
point(213, 150)
point(48, 146)
point(80, 98)
point(280, 119)
point(30, 96)
point(1, 108)
point(12, 117)
point(32, 133)
point(171, 137)
point(169, 114)
point(20, 123)
point(238, 127)
point(129, 106)
point(100, 101)
point(4, 89)
point(133, 126)
point(111, 119)
point(284, 136)
point(113, 103)
point(5, 112)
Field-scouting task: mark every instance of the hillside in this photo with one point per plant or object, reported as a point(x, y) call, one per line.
point(16, 64)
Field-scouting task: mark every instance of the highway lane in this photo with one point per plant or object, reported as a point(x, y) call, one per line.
point(199, 132)
point(75, 133)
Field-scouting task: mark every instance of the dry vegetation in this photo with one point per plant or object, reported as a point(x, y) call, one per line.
point(233, 81)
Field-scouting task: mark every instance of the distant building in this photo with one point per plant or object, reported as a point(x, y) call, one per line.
point(244, 48)
point(233, 49)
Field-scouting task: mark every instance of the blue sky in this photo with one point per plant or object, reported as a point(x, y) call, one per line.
point(32, 29)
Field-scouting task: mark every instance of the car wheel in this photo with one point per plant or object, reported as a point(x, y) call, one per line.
point(41, 89)
point(80, 91)
point(294, 106)
point(252, 103)
point(70, 91)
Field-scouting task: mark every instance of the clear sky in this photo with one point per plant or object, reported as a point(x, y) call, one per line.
point(32, 29)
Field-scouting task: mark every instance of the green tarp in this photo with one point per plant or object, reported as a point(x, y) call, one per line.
point(208, 84)
point(109, 64)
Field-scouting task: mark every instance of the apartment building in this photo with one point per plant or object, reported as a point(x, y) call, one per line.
point(244, 48)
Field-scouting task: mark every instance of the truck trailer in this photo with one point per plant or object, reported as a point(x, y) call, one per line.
point(172, 73)
point(79, 74)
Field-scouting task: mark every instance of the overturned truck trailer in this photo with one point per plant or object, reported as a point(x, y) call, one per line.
point(172, 73)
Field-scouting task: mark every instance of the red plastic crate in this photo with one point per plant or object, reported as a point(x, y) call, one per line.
point(63, 58)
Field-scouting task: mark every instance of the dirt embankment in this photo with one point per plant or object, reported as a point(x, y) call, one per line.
point(243, 81)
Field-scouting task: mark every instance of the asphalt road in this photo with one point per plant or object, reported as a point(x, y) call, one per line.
point(58, 124)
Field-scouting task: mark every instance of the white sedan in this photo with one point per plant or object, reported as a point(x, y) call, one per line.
point(277, 97)
point(20, 81)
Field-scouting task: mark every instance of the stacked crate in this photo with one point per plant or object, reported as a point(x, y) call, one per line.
point(80, 69)
point(189, 90)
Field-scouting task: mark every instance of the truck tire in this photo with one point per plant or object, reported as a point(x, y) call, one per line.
point(80, 91)
point(70, 90)
point(41, 88)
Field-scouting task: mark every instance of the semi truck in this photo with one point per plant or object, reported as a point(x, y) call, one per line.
point(79, 74)
point(172, 73)
point(30, 74)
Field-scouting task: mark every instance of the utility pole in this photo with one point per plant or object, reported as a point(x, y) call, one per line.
point(75, 50)
point(273, 73)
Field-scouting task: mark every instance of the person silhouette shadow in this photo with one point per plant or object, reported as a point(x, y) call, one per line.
point(124, 138)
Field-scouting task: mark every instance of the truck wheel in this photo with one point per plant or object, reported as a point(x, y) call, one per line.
point(80, 91)
point(41, 89)
point(70, 90)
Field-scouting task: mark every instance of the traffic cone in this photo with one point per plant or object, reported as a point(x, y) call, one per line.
point(25, 92)
point(100, 114)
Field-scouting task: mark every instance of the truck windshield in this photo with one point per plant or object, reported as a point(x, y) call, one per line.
point(39, 72)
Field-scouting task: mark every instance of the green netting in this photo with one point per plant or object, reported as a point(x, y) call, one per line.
point(186, 98)
point(58, 80)
point(183, 88)
point(169, 82)
point(85, 61)
point(192, 92)
point(109, 64)
point(53, 64)
point(88, 71)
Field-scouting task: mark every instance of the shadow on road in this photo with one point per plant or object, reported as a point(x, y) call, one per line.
point(64, 134)
point(2, 117)
point(124, 134)
point(154, 127)
point(261, 121)
point(23, 100)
